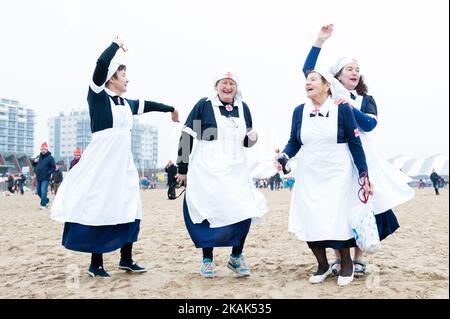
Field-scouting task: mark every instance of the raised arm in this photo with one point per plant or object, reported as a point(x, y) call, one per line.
point(324, 34)
point(311, 60)
point(103, 62)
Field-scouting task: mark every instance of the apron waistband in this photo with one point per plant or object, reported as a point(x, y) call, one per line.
point(109, 132)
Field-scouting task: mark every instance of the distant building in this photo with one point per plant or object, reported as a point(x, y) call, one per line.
point(144, 145)
point(68, 131)
point(16, 135)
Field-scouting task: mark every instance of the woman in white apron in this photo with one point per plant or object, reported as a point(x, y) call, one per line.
point(221, 200)
point(389, 184)
point(326, 137)
point(99, 199)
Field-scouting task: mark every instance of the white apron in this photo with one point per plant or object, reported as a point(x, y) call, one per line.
point(103, 188)
point(324, 193)
point(219, 185)
point(389, 184)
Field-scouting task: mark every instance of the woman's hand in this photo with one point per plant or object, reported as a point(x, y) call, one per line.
point(252, 135)
point(367, 187)
point(277, 164)
point(324, 33)
point(343, 101)
point(181, 179)
point(120, 43)
point(175, 116)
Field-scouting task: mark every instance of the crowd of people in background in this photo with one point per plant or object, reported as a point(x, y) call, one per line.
point(275, 182)
point(426, 182)
point(19, 182)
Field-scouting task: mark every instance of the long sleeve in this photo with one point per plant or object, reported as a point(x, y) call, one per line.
point(294, 145)
point(101, 70)
point(311, 60)
point(139, 107)
point(52, 166)
point(249, 123)
point(366, 118)
point(352, 135)
point(364, 121)
point(191, 130)
point(150, 106)
point(184, 151)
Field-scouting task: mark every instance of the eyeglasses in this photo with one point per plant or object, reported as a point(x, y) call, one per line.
point(362, 194)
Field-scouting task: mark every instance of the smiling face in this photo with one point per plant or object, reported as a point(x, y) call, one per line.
point(349, 76)
point(226, 88)
point(317, 88)
point(118, 82)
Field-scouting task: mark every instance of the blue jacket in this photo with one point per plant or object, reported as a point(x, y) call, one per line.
point(45, 167)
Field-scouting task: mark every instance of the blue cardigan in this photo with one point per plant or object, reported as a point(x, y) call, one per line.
point(344, 134)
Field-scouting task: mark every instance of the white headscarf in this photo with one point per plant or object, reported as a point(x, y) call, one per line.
point(340, 63)
point(113, 66)
point(337, 89)
point(231, 76)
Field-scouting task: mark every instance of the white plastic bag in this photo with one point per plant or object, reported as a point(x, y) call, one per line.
point(364, 227)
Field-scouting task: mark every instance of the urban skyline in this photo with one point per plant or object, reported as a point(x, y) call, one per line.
point(67, 130)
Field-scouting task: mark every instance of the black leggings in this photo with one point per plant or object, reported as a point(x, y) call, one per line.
point(125, 255)
point(236, 251)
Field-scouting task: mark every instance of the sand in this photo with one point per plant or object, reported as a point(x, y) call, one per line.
point(412, 263)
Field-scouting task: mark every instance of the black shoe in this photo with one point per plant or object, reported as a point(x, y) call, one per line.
point(98, 272)
point(131, 266)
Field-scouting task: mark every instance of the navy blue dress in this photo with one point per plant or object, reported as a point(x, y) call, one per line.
point(345, 134)
point(201, 234)
point(103, 239)
point(387, 221)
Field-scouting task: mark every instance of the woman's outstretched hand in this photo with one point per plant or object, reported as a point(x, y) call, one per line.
point(120, 43)
point(324, 34)
point(175, 116)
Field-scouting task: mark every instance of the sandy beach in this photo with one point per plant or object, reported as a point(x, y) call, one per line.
point(412, 263)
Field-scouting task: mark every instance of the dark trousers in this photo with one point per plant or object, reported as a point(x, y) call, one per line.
point(436, 189)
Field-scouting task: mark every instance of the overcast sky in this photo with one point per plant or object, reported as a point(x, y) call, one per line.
point(49, 49)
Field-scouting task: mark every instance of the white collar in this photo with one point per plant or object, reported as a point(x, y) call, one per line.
point(110, 93)
point(324, 108)
point(215, 101)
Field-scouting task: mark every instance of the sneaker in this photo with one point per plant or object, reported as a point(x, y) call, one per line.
point(131, 266)
point(42, 208)
point(237, 264)
point(207, 268)
point(98, 272)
